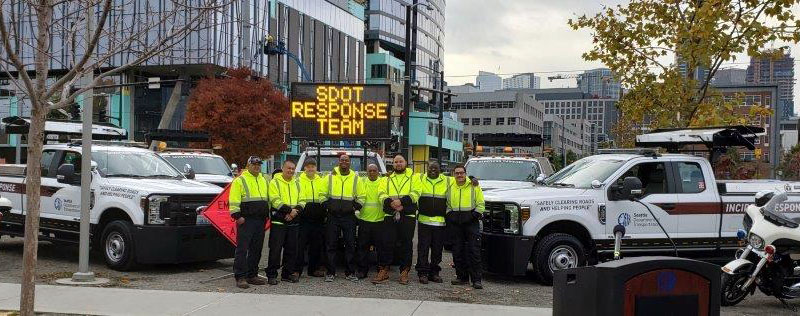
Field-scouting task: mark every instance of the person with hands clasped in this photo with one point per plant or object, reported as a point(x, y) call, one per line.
point(465, 207)
point(248, 202)
point(397, 191)
point(287, 205)
point(345, 196)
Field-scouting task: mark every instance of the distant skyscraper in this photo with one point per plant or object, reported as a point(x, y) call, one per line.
point(700, 72)
point(487, 81)
point(599, 83)
point(730, 77)
point(522, 81)
point(778, 72)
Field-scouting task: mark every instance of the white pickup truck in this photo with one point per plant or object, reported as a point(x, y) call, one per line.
point(143, 210)
point(569, 221)
point(328, 158)
point(507, 172)
point(202, 165)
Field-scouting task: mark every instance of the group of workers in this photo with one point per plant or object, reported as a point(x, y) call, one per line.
point(309, 212)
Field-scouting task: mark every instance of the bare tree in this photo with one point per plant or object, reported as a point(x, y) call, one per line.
point(121, 39)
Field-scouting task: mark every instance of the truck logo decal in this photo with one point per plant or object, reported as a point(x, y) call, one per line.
point(624, 219)
point(120, 192)
point(788, 187)
point(45, 191)
point(57, 204)
point(565, 205)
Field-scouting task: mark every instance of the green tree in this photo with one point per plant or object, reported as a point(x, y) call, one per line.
point(636, 39)
point(790, 164)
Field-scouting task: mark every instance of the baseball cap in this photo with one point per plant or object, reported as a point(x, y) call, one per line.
point(254, 160)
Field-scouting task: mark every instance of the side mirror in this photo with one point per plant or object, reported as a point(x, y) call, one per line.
point(66, 174)
point(188, 171)
point(596, 184)
point(631, 188)
point(234, 166)
point(541, 178)
point(94, 165)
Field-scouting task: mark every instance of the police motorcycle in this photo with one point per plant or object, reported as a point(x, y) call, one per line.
point(771, 259)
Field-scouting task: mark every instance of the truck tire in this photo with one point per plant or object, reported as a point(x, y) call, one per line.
point(555, 252)
point(117, 246)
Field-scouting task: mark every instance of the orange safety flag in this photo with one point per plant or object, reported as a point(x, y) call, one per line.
point(219, 216)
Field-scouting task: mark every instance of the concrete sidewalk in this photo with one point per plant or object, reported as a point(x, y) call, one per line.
point(115, 301)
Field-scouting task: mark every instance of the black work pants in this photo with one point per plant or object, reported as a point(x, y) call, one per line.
point(346, 225)
point(249, 243)
point(369, 235)
point(430, 239)
point(312, 241)
point(467, 250)
point(283, 240)
point(397, 234)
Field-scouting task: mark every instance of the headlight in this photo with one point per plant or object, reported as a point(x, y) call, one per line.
point(152, 205)
point(513, 219)
point(756, 241)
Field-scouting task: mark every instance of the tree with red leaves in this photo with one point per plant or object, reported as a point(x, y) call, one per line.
point(242, 114)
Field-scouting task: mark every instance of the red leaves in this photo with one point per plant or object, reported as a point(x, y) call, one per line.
point(243, 114)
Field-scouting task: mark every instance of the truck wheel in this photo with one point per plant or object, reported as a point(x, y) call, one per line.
point(557, 252)
point(118, 246)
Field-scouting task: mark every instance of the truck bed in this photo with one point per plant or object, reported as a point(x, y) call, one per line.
point(12, 170)
point(751, 187)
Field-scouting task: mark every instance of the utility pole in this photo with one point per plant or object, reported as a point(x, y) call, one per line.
point(83, 274)
point(405, 120)
point(440, 100)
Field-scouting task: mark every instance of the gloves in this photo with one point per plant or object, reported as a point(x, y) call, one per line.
point(236, 215)
point(357, 206)
point(476, 215)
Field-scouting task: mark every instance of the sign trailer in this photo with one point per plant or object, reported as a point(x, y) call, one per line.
point(335, 111)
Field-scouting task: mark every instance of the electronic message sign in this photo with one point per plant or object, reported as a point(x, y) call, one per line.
point(335, 111)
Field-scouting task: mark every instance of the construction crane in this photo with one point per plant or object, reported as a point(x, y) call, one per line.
point(576, 76)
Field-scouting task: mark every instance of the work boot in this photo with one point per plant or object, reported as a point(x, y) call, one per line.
point(436, 279)
point(477, 285)
point(423, 279)
point(330, 278)
point(351, 278)
point(319, 273)
point(362, 275)
point(294, 278)
point(459, 282)
point(257, 280)
point(404, 276)
point(382, 276)
point(242, 284)
point(273, 281)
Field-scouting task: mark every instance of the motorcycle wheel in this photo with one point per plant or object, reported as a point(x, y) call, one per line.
point(732, 292)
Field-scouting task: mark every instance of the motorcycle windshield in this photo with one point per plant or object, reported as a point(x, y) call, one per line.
point(779, 219)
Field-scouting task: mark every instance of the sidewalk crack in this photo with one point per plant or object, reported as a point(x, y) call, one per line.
point(213, 302)
point(415, 309)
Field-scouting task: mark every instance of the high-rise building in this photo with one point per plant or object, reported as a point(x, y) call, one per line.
point(572, 104)
point(730, 77)
point(599, 84)
point(699, 74)
point(487, 81)
point(522, 81)
point(327, 36)
point(775, 71)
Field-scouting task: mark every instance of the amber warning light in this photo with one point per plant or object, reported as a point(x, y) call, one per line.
point(323, 111)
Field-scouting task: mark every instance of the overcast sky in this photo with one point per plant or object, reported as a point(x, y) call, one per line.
point(515, 36)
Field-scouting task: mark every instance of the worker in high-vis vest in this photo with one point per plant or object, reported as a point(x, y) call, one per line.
point(370, 220)
point(287, 205)
point(312, 223)
point(248, 202)
point(465, 207)
point(400, 207)
point(433, 188)
point(345, 196)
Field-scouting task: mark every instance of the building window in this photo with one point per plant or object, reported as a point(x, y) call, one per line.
point(512, 121)
point(476, 121)
point(378, 71)
point(500, 121)
point(329, 56)
point(465, 121)
point(487, 121)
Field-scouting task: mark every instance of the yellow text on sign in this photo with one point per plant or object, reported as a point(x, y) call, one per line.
point(340, 110)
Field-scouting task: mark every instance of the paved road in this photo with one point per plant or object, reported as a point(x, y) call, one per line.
point(57, 261)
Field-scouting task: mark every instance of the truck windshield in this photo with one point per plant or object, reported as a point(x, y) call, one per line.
point(126, 164)
point(504, 170)
point(200, 164)
point(328, 162)
point(581, 173)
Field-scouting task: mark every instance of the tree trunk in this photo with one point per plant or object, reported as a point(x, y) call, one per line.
point(33, 174)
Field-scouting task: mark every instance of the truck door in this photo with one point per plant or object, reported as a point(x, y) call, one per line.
point(698, 208)
point(659, 195)
point(59, 200)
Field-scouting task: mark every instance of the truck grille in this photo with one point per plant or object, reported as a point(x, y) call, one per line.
point(496, 218)
point(181, 210)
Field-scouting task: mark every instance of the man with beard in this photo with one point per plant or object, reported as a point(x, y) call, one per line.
point(400, 206)
point(345, 196)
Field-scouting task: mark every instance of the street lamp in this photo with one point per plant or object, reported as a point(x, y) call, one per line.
point(409, 73)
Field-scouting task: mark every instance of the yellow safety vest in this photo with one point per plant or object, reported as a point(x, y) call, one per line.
point(433, 198)
point(285, 193)
point(373, 209)
point(466, 197)
point(398, 185)
point(247, 189)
